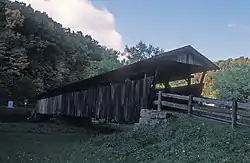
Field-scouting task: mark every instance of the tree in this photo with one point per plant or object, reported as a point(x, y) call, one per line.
point(141, 51)
point(224, 65)
point(109, 62)
point(233, 84)
point(38, 54)
point(209, 82)
point(13, 57)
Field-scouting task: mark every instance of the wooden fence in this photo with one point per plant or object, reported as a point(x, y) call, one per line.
point(233, 112)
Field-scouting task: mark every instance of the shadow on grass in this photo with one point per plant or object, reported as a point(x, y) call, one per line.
point(59, 125)
point(86, 123)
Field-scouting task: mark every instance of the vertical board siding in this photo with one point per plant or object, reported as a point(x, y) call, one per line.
point(187, 59)
point(120, 102)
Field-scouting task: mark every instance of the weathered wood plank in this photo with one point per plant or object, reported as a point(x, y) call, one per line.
point(243, 113)
point(244, 105)
point(213, 109)
point(243, 120)
point(210, 112)
point(202, 77)
point(213, 101)
point(132, 95)
point(144, 91)
point(159, 101)
point(205, 100)
point(198, 99)
point(212, 117)
point(234, 114)
point(175, 96)
point(190, 105)
point(172, 105)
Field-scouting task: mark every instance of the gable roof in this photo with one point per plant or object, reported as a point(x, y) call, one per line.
point(181, 54)
point(175, 63)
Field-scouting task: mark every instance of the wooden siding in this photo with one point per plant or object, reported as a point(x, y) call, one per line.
point(187, 59)
point(120, 102)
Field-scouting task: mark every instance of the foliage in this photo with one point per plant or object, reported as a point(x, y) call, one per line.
point(109, 62)
point(233, 84)
point(178, 83)
point(178, 140)
point(226, 64)
point(208, 90)
point(38, 54)
point(213, 90)
point(141, 51)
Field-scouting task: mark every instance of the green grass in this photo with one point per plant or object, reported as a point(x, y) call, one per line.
point(13, 114)
point(10, 111)
point(178, 140)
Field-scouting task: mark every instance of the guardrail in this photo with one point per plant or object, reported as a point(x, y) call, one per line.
point(233, 112)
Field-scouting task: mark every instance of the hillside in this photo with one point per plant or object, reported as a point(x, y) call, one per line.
point(230, 82)
point(38, 54)
point(178, 140)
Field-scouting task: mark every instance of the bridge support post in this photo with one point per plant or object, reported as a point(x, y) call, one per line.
point(190, 105)
point(159, 101)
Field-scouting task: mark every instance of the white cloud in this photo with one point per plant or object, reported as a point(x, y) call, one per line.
point(82, 15)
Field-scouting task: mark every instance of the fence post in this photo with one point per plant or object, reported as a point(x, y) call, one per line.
point(159, 101)
point(234, 114)
point(190, 105)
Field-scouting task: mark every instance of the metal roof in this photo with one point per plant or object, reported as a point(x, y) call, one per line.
point(173, 64)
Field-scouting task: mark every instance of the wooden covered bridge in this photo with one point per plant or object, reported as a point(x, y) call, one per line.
point(120, 94)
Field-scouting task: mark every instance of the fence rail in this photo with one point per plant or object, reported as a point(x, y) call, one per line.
point(233, 112)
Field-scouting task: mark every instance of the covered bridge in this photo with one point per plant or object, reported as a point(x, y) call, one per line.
point(120, 94)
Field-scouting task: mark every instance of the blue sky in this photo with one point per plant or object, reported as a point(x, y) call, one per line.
point(219, 29)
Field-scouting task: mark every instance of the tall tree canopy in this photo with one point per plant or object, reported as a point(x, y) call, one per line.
point(234, 84)
point(141, 51)
point(37, 53)
point(230, 81)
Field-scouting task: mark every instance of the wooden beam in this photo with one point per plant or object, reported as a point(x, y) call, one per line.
point(187, 59)
point(144, 102)
point(156, 77)
point(152, 90)
point(189, 70)
point(211, 117)
point(189, 80)
point(175, 96)
point(213, 109)
point(198, 99)
point(172, 105)
point(202, 77)
point(234, 114)
point(214, 101)
point(245, 106)
point(208, 112)
point(190, 105)
point(159, 101)
point(243, 113)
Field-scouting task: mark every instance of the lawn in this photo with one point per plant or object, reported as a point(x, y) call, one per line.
point(13, 114)
point(179, 140)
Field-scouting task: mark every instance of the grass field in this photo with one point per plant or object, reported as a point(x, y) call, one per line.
point(13, 114)
point(179, 140)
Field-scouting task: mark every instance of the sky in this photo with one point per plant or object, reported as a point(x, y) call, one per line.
point(219, 29)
